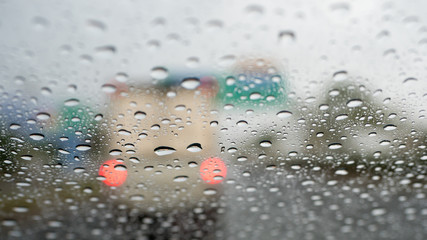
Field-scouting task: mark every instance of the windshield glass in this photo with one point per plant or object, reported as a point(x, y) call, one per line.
point(213, 119)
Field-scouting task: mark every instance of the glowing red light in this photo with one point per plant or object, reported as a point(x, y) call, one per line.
point(115, 173)
point(213, 170)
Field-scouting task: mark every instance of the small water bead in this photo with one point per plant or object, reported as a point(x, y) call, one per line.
point(140, 115)
point(323, 107)
point(284, 114)
point(192, 164)
point(341, 117)
point(265, 144)
point(99, 117)
point(354, 103)
point(192, 62)
point(71, 102)
point(340, 76)
point(286, 37)
point(83, 147)
point(96, 26)
point(341, 172)
point(37, 136)
point(121, 77)
point(180, 107)
point(334, 93)
point(164, 150)
point(389, 127)
point(242, 123)
point(378, 212)
point(79, 170)
point(105, 51)
point(134, 160)
point(108, 88)
point(159, 73)
point(27, 157)
point(190, 83)
point(209, 191)
point(181, 178)
point(14, 126)
point(255, 96)
point(227, 60)
point(20, 209)
point(46, 91)
point(334, 146)
point(115, 152)
point(195, 147)
point(120, 167)
point(230, 81)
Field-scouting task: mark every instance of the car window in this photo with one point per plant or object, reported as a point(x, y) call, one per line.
point(213, 119)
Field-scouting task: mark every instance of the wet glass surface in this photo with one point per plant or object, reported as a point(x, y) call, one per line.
point(213, 120)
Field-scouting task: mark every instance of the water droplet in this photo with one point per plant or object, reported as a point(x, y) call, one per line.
point(265, 144)
point(341, 172)
point(62, 151)
point(124, 132)
point(96, 25)
point(20, 209)
point(180, 107)
point(137, 197)
point(121, 77)
point(378, 211)
point(341, 117)
point(134, 160)
point(115, 152)
point(340, 76)
point(14, 126)
point(40, 23)
point(79, 169)
point(255, 96)
point(389, 127)
point(108, 88)
point(159, 73)
point(410, 80)
point(195, 147)
point(254, 10)
point(190, 83)
point(43, 116)
point(284, 114)
point(192, 62)
point(120, 167)
point(99, 117)
point(142, 135)
point(46, 91)
point(354, 103)
point(37, 136)
point(192, 164)
point(164, 150)
point(323, 107)
point(227, 60)
point(182, 178)
point(83, 147)
point(334, 146)
point(210, 191)
point(105, 51)
point(286, 37)
point(27, 157)
point(71, 102)
point(140, 115)
point(242, 123)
